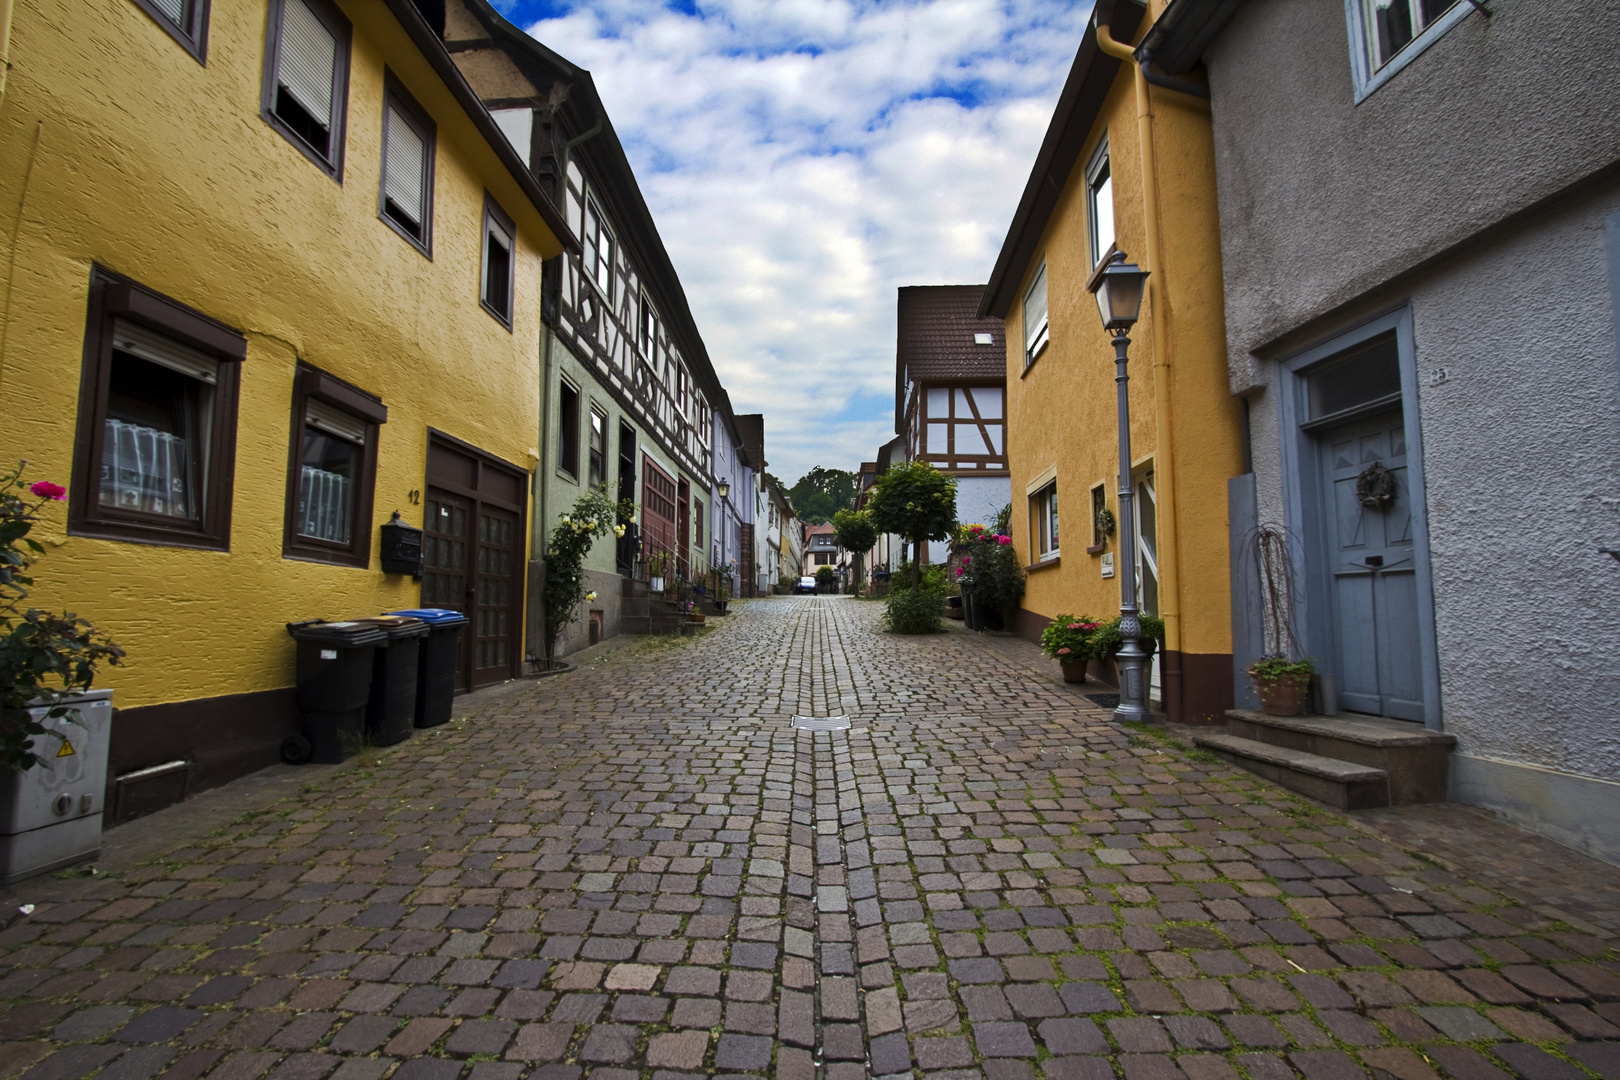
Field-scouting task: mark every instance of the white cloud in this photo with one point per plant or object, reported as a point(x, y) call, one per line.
point(805, 158)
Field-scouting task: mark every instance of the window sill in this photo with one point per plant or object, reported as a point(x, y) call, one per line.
point(1097, 549)
point(1030, 365)
point(1044, 564)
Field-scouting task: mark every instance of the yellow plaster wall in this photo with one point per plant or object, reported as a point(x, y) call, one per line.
point(1062, 411)
point(118, 148)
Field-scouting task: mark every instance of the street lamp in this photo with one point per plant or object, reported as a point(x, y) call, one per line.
point(724, 488)
point(1118, 287)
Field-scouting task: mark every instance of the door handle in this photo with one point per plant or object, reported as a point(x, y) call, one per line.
point(1375, 560)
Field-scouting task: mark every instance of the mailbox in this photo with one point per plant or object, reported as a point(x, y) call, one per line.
point(401, 547)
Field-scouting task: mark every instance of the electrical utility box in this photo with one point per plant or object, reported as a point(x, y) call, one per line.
point(50, 815)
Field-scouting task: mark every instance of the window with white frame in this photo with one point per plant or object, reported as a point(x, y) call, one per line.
point(1100, 203)
point(598, 253)
point(1035, 329)
point(1385, 35)
point(1043, 531)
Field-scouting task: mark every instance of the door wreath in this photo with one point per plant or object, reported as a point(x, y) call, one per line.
point(1375, 487)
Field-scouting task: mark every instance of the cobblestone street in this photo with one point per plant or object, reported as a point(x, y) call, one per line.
point(642, 869)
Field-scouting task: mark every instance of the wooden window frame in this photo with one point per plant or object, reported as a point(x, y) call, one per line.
point(568, 430)
point(194, 37)
point(593, 247)
point(313, 384)
point(494, 215)
point(112, 295)
point(395, 95)
point(341, 29)
point(1099, 503)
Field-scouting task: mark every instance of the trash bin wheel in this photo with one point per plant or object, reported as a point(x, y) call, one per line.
point(295, 750)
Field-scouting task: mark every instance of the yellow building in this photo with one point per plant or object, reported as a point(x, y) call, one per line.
point(272, 274)
point(1086, 197)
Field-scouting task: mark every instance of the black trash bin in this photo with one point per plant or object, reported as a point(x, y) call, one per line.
point(391, 711)
point(436, 670)
point(335, 662)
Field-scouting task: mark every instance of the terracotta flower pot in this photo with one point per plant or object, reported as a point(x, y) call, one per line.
point(1283, 698)
point(1074, 670)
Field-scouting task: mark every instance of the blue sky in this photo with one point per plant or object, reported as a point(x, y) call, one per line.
point(806, 158)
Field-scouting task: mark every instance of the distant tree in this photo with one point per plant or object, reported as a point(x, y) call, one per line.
point(917, 502)
point(855, 533)
point(820, 493)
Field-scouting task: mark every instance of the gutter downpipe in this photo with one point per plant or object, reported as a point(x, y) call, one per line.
point(5, 45)
point(1163, 410)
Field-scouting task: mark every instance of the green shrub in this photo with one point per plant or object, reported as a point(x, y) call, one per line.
point(914, 612)
point(935, 578)
point(1072, 638)
point(1108, 641)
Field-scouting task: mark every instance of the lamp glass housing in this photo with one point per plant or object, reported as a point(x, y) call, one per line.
point(1118, 286)
point(724, 488)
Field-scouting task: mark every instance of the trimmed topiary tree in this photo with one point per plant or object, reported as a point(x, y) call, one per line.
point(916, 502)
point(854, 531)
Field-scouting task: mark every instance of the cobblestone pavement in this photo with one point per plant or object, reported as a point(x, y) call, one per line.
point(641, 869)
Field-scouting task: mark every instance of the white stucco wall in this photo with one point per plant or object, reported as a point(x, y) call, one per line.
point(978, 499)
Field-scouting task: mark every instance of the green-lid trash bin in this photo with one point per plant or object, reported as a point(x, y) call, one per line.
point(391, 712)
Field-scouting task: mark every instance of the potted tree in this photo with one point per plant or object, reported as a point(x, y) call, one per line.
point(918, 503)
point(853, 531)
point(1071, 641)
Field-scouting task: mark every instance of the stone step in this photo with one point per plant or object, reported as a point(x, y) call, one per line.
point(1338, 783)
point(1418, 761)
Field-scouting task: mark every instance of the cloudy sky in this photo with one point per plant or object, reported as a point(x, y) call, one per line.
point(804, 159)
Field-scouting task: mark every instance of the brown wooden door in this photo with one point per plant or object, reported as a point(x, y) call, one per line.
point(494, 638)
point(473, 544)
point(683, 528)
point(657, 509)
point(445, 562)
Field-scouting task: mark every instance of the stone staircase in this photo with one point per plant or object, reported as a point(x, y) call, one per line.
point(1350, 761)
point(642, 613)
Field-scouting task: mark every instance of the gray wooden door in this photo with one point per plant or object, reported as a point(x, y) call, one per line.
point(1373, 587)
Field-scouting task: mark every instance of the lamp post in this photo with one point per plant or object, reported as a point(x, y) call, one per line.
point(722, 487)
point(1118, 287)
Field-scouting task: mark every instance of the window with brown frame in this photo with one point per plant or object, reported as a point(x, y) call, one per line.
point(568, 429)
point(697, 523)
point(331, 470)
point(405, 194)
point(1099, 503)
point(184, 20)
point(306, 78)
point(500, 244)
point(154, 453)
point(598, 447)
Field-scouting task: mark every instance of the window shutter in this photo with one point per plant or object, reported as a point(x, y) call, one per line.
point(1035, 310)
point(403, 169)
point(307, 61)
point(138, 341)
point(174, 9)
point(323, 417)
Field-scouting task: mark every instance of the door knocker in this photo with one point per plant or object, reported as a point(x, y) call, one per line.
point(1375, 487)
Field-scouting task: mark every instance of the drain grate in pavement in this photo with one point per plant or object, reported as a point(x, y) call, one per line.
point(830, 723)
point(1103, 701)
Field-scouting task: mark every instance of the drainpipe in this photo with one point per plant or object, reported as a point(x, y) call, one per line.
point(5, 45)
point(1163, 411)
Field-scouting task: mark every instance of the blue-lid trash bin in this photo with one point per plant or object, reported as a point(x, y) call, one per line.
point(335, 661)
point(391, 712)
point(436, 670)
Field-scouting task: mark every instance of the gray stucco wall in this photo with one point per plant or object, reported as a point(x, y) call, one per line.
point(1473, 189)
point(1323, 200)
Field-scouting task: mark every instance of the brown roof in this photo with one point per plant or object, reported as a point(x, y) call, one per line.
point(935, 339)
point(751, 430)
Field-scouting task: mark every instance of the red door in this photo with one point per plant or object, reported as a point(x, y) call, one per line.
point(683, 528)
point(657, 510)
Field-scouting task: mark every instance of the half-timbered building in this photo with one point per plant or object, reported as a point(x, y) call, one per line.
point(949, 396)
point(629, 395)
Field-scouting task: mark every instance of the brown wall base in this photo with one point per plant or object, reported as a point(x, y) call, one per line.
point(223, 737)
point(1028, 625)
point(1204, 682)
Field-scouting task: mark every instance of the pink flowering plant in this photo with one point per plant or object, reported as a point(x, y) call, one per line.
point(1073, 638)
point(45, 658)
point(989, 568)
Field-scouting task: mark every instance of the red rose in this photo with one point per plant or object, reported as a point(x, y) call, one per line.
point(47, 490)
point(1063, 651)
